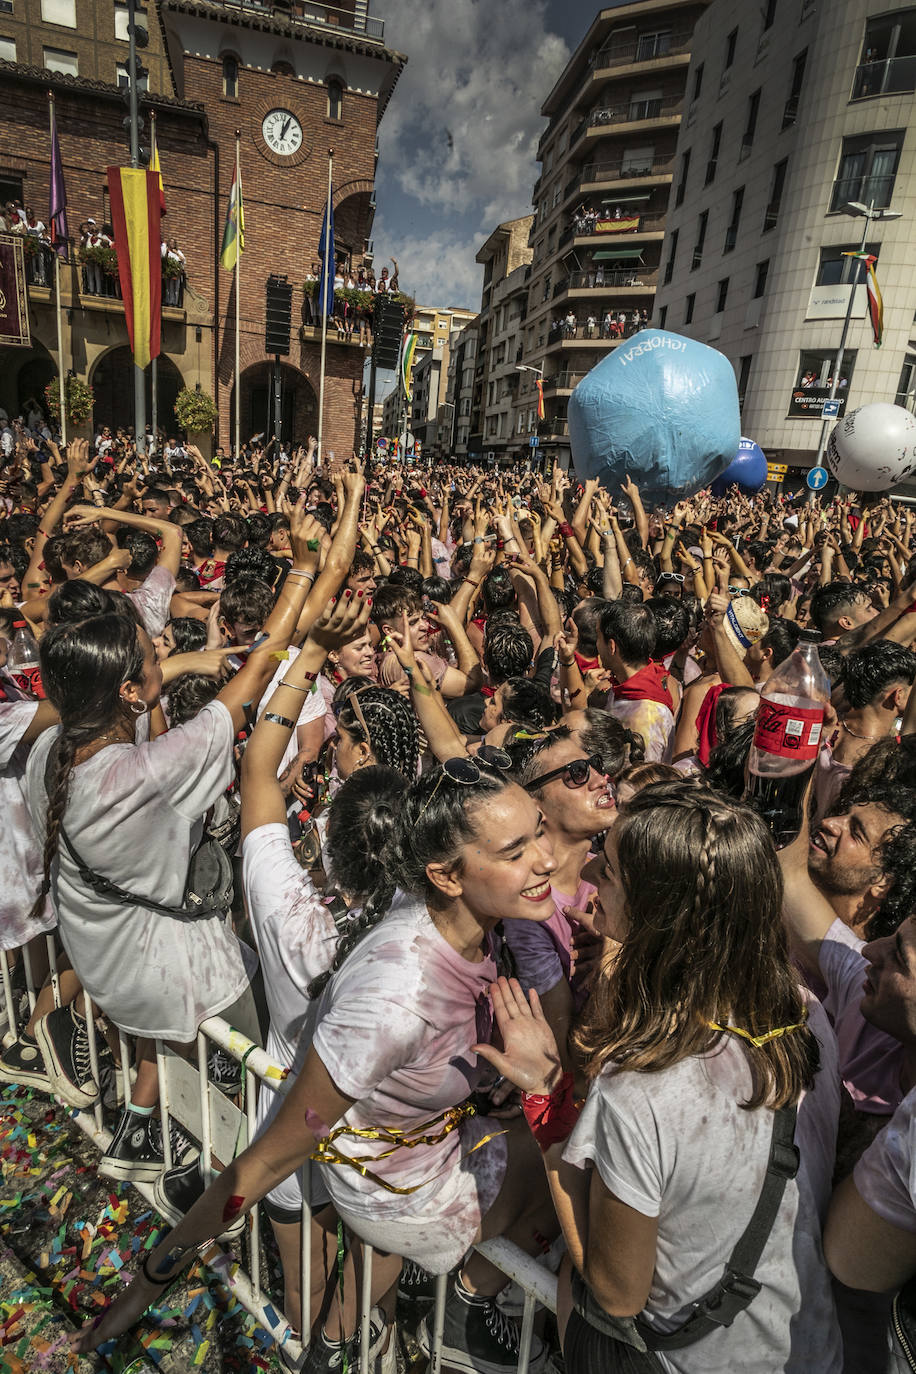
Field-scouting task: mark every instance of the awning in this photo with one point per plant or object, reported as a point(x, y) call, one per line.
point(626, 200)
point(618, 255)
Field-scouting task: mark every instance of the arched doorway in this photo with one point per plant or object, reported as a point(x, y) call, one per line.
point(298, 403)
point(24, 374)
point(113, 384)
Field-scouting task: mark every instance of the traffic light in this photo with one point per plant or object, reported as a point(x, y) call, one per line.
point(387, 328)
point(278, 316)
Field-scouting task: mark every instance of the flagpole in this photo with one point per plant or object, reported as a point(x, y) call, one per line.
point(139, 379)
point(154, 378)
point(60, 328)
point(238, 286)
point(326, 267)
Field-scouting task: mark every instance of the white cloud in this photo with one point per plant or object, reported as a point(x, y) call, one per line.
point(460, 135)
point(436, 267)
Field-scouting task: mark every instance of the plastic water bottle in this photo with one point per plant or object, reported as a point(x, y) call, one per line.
point(22, 662)
point(787, 737)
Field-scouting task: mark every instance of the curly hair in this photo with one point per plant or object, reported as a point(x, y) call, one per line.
point(705, 944)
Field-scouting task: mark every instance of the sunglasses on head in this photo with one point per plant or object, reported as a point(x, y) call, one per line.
point(466, 770)
point(670, 577)
point(574, 774)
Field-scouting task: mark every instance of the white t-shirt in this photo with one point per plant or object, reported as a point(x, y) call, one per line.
point(677, 1145)
point(135, 815)
point(395, 1027)
point(153, 600)
point(20, 854)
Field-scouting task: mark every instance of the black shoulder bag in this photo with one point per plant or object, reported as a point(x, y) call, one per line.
point(635, 1340)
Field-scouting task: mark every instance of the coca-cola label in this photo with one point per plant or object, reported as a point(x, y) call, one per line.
point(29, 680)
point(791, 732)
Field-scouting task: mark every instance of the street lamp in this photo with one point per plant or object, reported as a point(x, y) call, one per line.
point(868, 213)
point(538, 372)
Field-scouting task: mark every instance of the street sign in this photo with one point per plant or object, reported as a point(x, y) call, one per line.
point(533, 441)
point(817, 478)
point(830, 412)
point(774, 469)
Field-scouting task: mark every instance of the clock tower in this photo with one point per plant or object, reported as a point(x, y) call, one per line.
point(297, 80)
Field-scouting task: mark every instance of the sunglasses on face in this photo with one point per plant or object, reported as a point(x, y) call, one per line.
point(574, 774)
point(670, 577)
point(466, 771)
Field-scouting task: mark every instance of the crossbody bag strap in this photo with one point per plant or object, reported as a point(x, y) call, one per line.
point(737, 1287)
point(104, 887)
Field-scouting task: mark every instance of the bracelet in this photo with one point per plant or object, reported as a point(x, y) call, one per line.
point(301, 572)
point(629, 560)
point(470, 581)
point(478, 539)
point(295, 686)
point(279, 720)
point(551, 1118)
point(157, 1283)
point(566, 531)
point(570, 664)
point(405, 669)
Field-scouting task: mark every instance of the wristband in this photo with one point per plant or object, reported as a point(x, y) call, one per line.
point(478, 539)
point(570, 664)
point(470, 581)
point(566, 531)
point(301, 572)
point(551, 1118)
point(279, 720)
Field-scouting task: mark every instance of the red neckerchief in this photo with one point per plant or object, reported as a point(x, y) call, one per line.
point(706, 723)
point(215, 567)
point(586, 665)
point(649, 684)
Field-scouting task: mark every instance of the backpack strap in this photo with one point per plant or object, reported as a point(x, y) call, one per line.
point(737, 1287)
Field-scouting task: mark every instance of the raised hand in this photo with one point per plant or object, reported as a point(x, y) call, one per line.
point(341, 620)
point(529, 1057)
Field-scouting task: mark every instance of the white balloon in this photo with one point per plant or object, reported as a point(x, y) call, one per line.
point(873, 448)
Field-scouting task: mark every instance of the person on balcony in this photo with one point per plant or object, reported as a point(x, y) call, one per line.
point(174, 277)
point(570, 324)
point(34, 229)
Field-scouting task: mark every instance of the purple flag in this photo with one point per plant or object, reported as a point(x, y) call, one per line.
point(57, 212)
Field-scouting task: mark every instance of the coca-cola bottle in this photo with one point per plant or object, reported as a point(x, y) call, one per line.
point(787, 737)
point(22, 662)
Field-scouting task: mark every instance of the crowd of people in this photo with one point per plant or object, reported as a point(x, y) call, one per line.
point(433, 782)
point(355, 290)
point(612, 324)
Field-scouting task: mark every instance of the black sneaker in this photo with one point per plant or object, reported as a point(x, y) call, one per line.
point(224, 1072)
point(63, 1040)
point(135, 1152)
point(415, 1296)
point(479, 1337)
point(176, 1191)
point(326, 1357)
point(22, 1062)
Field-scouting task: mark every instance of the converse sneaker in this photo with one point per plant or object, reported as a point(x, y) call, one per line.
point(135, 1152)
point(326, 1356)
point(478, 1336)
point(22, 1062)
point(415, 1296)
point(176, 1191)
point(224, 1072)
point(63, 1040)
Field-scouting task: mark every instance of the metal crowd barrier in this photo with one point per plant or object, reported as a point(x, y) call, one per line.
point(224, 1129)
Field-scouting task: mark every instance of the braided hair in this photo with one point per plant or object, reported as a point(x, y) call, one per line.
point(361, 822)
point(394, 735)
point(705, 943)
point(83, 665)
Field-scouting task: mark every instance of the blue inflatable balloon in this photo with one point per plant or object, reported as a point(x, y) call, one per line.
point(661, 409)
point(748, 471)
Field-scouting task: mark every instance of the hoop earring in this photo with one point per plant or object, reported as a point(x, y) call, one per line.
point(137, 708)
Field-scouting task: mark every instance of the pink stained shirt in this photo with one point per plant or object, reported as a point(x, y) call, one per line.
point(543, 949)
point(869, 1059)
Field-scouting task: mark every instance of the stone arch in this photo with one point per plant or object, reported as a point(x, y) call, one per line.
point(112, 379)
point(24, 374)
point(299, 402)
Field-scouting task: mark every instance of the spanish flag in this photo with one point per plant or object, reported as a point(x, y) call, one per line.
point(540, 386)
point(875, 301)
point(135, 214)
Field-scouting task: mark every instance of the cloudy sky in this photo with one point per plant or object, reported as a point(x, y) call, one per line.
point(459, 138)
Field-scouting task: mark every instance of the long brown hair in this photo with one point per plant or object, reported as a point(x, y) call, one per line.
point(703, 892)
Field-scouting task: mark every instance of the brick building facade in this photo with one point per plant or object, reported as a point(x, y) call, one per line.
point(228, 67)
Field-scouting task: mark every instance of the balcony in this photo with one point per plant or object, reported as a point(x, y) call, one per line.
point(867, 189)
point(635, 112)
point(894, 76)
point(651, 47)
point(626, 279)
point(600, 172)
point(562, 382)
point(622, 226)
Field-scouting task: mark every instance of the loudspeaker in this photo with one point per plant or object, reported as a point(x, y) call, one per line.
point(387, 328)
point(278, 316)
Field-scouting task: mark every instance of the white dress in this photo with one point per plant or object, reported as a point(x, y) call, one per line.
point(20, 852)
point(135, 815)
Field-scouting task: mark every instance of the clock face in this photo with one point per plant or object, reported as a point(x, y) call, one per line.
point(282, 132)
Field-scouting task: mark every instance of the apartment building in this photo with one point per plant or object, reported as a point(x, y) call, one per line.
point(607, 165)
point(460, 389)
point(432, 325)
point(506, 258)
point(798, 145)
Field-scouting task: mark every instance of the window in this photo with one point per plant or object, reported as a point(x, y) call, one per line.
point(750, 128)
point(663, 317)
point(688, 307)
point(814, 380)
point(835, 270)
point(645, 105)
point(744, 375)
point(11, 188)
point(769, 14)
point(653, 44)
point(731, 43)
point(65, 62)
point(698, 81)
point(722, 295)
point(335, 102)
point(124, 77)
point(59, 12)
point(8, 54)
point(713, 154)
point(230, 78)
point(672, 254)
point(778, 185)
point(682, 181)
point(790, 110)
point(638, 162)
point(760, 278)
point(906, 387)
point(888, 62)
point(731, 233)
point(122, 17)
point(702, 224)
point(868, 167)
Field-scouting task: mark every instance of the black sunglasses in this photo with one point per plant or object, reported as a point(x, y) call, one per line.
point(574, 774)
point(466, 770)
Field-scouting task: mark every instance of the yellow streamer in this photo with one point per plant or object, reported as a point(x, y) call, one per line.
point(758, 1040)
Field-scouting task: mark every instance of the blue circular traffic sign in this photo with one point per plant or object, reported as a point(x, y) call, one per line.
point(817, 478)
